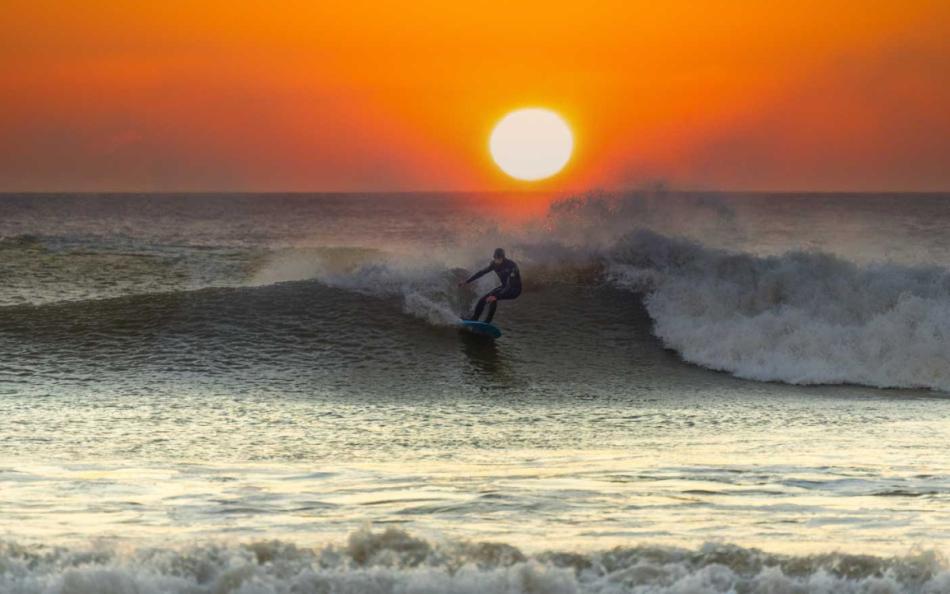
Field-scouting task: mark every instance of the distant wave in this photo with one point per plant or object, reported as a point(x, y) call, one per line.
point(24, 240)
point(802, 318)
point(397, 562)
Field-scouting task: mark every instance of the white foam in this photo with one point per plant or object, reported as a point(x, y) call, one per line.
point(394, 561)
point(801, 318)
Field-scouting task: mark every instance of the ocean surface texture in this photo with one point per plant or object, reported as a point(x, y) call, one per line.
point(695, 393)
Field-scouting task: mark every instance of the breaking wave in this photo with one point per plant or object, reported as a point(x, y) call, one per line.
point(394, 561)
point(801, 317)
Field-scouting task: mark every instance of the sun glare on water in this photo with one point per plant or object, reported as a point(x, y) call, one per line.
point(531, 144)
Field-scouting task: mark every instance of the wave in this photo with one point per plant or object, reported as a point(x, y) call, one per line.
point(21, 241)
point(44, 270)
point(394, 561)
point(801, 318)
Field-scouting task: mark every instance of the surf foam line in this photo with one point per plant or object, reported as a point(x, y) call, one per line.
point(394, 561)
point(800, 318)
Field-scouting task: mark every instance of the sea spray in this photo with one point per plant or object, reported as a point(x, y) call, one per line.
point(424, 291)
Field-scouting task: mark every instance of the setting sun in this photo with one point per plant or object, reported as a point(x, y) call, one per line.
point(531, 144)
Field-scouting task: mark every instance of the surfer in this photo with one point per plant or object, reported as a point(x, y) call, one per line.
point(510, 288)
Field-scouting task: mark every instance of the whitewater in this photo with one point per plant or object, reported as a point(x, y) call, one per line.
point(392, 561)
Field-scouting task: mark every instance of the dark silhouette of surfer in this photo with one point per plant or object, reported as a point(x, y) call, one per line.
point(510, 288)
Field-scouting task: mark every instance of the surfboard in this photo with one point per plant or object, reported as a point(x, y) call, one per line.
point(481, 328)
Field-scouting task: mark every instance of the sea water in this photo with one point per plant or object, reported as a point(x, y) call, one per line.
point(696, 392)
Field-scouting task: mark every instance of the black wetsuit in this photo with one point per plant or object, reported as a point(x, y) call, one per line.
point(510, 287)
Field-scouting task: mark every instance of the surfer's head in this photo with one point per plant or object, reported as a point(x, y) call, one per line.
point(499, 255)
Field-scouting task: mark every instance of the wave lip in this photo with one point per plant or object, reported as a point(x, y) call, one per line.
point(395, 561)
point(800, 318)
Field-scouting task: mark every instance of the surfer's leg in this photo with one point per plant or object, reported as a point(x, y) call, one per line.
point(480, 307)
point(500, 295)
point(491, 311)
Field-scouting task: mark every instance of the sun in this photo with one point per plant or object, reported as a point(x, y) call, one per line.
point(531, 144)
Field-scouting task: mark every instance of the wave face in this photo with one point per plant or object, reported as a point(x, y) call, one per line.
point(801, 318)
point(395, 561)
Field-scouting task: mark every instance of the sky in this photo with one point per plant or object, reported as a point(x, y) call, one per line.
point(295, 95)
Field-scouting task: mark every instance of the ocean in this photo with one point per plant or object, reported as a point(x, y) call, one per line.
point(696, 392)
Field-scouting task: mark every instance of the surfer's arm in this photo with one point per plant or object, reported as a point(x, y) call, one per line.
point(478, 274)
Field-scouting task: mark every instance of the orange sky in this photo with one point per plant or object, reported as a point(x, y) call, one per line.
point(306, 95)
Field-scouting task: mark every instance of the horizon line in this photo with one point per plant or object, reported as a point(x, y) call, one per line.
point(594, 190)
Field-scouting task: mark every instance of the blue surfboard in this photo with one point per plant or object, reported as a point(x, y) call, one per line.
point(481, 328)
